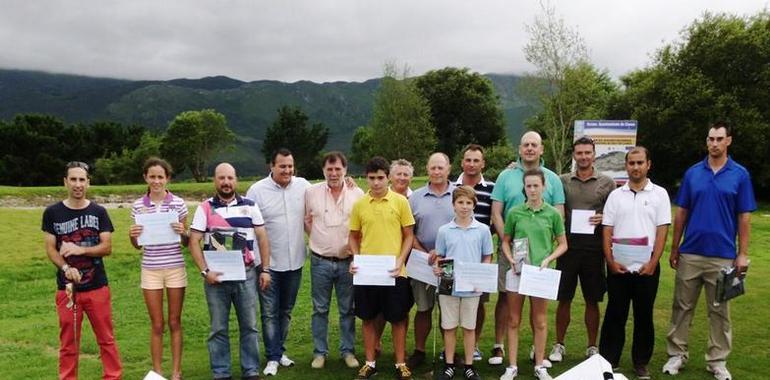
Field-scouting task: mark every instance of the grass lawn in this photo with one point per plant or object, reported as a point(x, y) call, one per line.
point(29, 330)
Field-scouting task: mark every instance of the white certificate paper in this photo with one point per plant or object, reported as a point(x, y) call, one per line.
point(417, 267)
point(512, 280)
point(157, 228)
point(541, 283)
point(374, 270)
point(631, 256)
point(475, 277)
point(152, 375)
point(230, 263)
point(579, 223)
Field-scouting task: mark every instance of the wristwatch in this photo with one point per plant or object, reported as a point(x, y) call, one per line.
point(205, 272)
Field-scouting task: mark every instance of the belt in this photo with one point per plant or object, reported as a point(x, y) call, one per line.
point(333, 259)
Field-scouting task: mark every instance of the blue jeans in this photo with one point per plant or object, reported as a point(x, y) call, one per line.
point(326, 274)
point(242, 295)
point(276, 303)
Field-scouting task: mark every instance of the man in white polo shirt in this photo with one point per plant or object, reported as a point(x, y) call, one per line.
point(638, 213)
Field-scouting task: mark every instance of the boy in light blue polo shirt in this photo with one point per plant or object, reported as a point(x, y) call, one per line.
point(465, 240)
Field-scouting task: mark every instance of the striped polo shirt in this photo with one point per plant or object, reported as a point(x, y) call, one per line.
point(161, 256)
point(483, 210)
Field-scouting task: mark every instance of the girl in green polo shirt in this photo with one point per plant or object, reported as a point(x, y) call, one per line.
point(541, 224)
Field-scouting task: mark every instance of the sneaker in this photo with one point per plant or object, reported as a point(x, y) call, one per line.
point(641, 372)
point(350, 360)
point(720, 372)
point(557, 353)
point(541, 373)
point(416, 359)
point(510, 373)
point(286, 362)
point(471, 374)
point(546, 363)
point(591, 351)
point(477, 355)
point(674, 364)
point(447, 374)
point(271, 369)
point(318, 362)
point(497, 356)
point(366, 372)
point(403, 372)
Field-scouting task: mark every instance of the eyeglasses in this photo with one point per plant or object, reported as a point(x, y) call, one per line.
point(77, 164)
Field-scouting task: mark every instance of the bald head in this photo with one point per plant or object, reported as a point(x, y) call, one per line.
point(531, 149)
point(438, 168)
point(225, 181)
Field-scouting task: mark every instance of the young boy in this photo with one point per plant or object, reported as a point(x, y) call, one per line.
point(464, 240)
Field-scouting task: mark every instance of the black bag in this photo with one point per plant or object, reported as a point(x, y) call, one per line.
point(730, 284)
point(446, 282)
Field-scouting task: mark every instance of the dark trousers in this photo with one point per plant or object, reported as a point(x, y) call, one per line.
point(622, 289)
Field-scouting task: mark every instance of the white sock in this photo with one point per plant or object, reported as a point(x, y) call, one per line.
point(498, 345)
point(371, 364)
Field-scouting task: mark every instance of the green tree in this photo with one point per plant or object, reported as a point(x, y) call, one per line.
point(290, 130)
point(125, 167)
point(717, 71)
point(400, 126)
point(464, 108)
point(193, 138)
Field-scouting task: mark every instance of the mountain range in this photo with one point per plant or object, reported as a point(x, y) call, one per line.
point(250, 107)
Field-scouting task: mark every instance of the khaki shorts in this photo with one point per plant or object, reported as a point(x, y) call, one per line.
point(502, 266)
point(424, 295)
point(458, 311)
point(153, 279)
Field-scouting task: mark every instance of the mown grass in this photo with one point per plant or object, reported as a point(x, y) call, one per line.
point(29, 327)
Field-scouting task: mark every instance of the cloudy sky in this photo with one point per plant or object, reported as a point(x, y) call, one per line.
point(324, 40)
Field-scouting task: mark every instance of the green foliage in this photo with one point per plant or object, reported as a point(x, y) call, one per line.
point(125, 168)
point(193, 138)
point(464, 108)
point(359, 147)
point(497, 159)
point(290, 130)
point(718, 71)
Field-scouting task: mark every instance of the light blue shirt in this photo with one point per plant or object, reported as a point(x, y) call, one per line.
point(464, 245)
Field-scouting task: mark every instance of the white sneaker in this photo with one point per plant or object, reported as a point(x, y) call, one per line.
point(541, 373)
point(674, 364)
point(720, 372)
point(498, 353)
point(557, 353)
point(510, 373)
point(285, 361)
point(271, 369)
point(318, 362)
point(591, 351)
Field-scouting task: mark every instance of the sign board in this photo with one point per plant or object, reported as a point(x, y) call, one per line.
point(613, 138)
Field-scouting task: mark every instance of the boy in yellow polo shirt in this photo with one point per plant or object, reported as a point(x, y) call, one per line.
point(381, 224)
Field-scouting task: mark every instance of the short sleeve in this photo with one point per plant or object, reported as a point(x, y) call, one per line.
point(355, 216)
point(498, 192)
point(407, 219)
point(256, 216)
point(486, 242)
point(105, 223)
point(199, 219)
point(556, 190)
point(608, 218)
point(47, 224)
point(558, 224)
point(663, 214)
point(182, 209)
point(441, 242)
point(683, 197)
point(746, 201)
point(510, 224)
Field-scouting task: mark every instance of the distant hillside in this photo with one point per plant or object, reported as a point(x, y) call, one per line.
point(250, 107)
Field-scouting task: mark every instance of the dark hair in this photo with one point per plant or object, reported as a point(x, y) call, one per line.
point(279, 152)
point(75, 164)
point(156, 161)
point(639, 149)
point(464, 191)
point(722, 124)
point(333, 157)
point(584, 140)
point(475, 147)
point(534, 173)
point(376, 164)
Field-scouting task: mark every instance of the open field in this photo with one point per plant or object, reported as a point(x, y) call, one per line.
point(29, 331)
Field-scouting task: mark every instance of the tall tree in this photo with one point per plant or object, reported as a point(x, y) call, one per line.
point(464, 108)
point(400, 126)
point(290, 130)
point(193, 138)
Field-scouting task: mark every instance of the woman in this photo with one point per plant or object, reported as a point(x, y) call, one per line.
point(541, 224)
point(163, 265)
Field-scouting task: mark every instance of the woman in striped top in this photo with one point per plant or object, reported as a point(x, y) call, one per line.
point(163, 265)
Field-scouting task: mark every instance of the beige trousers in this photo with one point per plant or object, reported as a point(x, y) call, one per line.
point(694, 273)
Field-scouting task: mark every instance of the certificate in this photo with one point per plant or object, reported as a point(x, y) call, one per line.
point(631, 256)
point(156, 228)
point(374, 270)
point(417, 267)
point(541, 283)
point(152, 375)
point(579, 223)
point(475, 277)
point(229, 263)
point(512, 281)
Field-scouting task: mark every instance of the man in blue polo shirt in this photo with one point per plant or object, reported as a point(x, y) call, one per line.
point(715, 203)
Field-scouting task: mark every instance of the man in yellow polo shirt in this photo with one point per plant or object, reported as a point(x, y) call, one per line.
point(381, 224)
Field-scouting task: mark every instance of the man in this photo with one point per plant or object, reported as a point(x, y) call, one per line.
point(78, 235)
point(327, 216)
point(432, 208)
point(509, 192)
point(473, 167)
point(381, 224)
point(281, 198)
point(638, 213)
point(401, 172)
point(228, 221)
point(715, 203)
point(585, 189)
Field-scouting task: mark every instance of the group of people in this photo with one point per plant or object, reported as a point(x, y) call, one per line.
point(529, 207)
